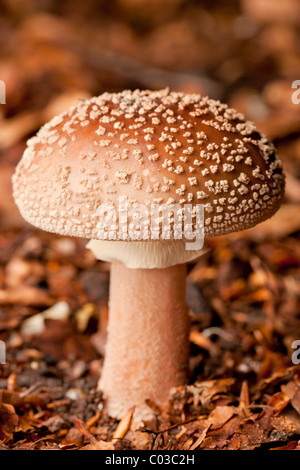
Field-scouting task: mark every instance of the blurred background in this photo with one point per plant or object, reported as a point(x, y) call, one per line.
point(244, 52)
point(244, 294)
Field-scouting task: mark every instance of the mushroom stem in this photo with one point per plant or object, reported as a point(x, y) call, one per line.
point(147, 346)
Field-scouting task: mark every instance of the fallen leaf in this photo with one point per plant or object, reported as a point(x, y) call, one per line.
point(9, 420)
point(200, 438)
point(99, 445)
point(123, 426)
point(278, 401)
point(220, 415)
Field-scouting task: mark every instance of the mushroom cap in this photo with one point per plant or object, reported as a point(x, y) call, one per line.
point(154, 147)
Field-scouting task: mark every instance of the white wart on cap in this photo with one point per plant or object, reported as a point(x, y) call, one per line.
point(153, 147)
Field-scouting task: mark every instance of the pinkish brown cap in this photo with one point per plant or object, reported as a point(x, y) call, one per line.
point(156, 147)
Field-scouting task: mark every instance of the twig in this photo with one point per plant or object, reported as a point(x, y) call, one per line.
point(31, 389)
point(40, 440)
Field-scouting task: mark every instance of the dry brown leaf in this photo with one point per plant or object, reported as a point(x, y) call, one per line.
point(99, 445)
point(25, 295)
point(289, 446)
point(95, 444)
point(292, 390)
point(220, 415)
point(244, 395)
point(200, 438)
point(123, 426)
point(9, 420)
point(93, 420)
point(278, 401)
point(203, 342)
point(73, 436)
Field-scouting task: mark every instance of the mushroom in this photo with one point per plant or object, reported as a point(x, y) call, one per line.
point(148, 148)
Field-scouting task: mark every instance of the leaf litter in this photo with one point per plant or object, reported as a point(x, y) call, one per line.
point(243, 294)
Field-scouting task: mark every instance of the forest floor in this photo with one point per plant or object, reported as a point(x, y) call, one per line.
point(243, 294)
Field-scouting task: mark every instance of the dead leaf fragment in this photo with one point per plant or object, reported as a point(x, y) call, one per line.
point(278, 401)
point(200, 438)
point(123, 426)
point(220, 415)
